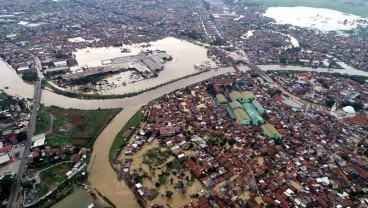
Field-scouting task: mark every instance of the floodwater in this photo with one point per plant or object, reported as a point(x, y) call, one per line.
point(347, 69)
point(78, 199)
point(15, 86)
point(11, 80)
point(315, 18)
point(101, 174)
point(184, 56)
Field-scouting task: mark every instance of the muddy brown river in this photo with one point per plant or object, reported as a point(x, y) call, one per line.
point(101, 174)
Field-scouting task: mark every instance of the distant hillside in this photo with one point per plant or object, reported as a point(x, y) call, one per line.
point(357, 7)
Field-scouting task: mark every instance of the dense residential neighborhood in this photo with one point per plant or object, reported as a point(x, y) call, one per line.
point(299, 157)
point(183, 103)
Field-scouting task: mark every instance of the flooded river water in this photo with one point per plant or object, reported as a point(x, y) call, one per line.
point(101, 174)
point(184, 56)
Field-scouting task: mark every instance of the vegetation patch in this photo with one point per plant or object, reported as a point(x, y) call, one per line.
point(122, 139)
point(52, 177)
point(156, 157)
point(70, 126)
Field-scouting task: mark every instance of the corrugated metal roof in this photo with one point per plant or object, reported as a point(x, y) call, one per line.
point(235, 95)
point(270, 131)
point(248, 95)
point(253, 114)
point(240, 114)
point(258, 106)
point(221, 98)
point(235, 105)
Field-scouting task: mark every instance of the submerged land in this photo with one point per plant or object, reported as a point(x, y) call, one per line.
point(183, 103)
point(358, 7)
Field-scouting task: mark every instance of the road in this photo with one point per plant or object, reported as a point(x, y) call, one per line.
point(31, 128)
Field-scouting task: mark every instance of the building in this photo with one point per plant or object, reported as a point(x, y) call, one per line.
point(221, 99)
point(23, 69)
point(153, 66)
point(4, 159)
point(258, 106)
point(240, 115)
point(56, 70)
point(236, 96)
point(248, 96)
point(60, 63)
point(230, 112)
point(168, 131)
point(293, 103)
point(38, 140)
point(255, 117)
point(270, 131)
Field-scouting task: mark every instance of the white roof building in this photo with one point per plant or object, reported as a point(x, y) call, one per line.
point(38, 137)
point(349, 110)
point(4, 159)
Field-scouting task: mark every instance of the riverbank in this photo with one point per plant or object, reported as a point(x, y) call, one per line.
point(115, 96)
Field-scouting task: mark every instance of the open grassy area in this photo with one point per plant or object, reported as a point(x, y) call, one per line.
point(122, 139)
point(156, 157)
point(357, 7)
point(69, 126)
point(52, 177)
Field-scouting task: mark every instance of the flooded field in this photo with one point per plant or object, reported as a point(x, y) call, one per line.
point(78, 199)
point(184, 56)
point(315, 18)
point(178, 198)
point(347, 69)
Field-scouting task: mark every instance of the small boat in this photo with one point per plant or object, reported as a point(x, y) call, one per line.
point(6, 87)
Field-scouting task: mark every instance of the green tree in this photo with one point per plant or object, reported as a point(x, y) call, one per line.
point(30, 76)
point(169, 193)
point(330, 102)
point(5, 186)
point(22, 136)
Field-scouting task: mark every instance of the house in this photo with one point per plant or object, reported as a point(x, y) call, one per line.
point(168, 131)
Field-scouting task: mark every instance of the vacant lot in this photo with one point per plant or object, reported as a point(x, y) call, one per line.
point(357, 7)
point(52, 177)
point(69, 126)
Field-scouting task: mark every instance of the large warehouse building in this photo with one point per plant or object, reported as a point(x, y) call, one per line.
point(240, 115)
point(236, 96)
point(270, 131)
point(258, 106)
point(248, 96)
point(255, 117)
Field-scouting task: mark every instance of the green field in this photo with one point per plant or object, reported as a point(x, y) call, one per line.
point(52, 177)
point(122, 139)
point(70, 126)
point(357, 7)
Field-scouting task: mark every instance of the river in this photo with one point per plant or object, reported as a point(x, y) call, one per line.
point(101, 174)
